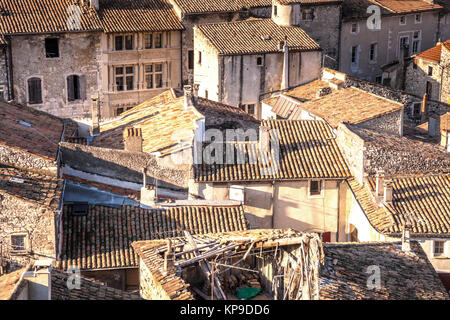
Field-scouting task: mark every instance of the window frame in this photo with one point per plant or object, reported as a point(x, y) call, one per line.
point(430, 70)
point(433, 249)
point(37, 101)
point(375, 52)
point(74, 99)
point(400, 20)
point(26, 243)
point(316, 194)
point(153, 74)
point(57, 47)
point(123, 42)
point(307, 12)
point(124, 77)
point(415, 18)
point(357, 28)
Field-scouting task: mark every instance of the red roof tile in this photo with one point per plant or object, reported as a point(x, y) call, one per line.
point(434, 53)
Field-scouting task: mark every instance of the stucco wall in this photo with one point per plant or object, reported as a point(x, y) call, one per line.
point(444, 27)
point(79, 55)
point(388, 39)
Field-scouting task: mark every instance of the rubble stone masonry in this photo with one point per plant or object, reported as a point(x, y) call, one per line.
point(26, 218)
point(26, 160)
point(445, 63)
point(150, 289)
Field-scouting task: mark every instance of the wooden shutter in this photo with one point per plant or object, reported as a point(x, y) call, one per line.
point(70, 88)
point(34, 91)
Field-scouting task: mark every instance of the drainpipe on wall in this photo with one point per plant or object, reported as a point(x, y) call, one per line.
point(285, 79)
point(272, 205)
point(338, 209)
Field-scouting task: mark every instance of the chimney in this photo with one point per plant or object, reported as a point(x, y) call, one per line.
point(406, 238)
point(148, 193)
point(264, 138)
point(95, 112)
point(388, 191)
point(94, 4)
point(445, 139)
point(188, 97)
point(285, 79)
point(423, 111)
point(379, 183)
point(132, 139)
point(323, 92)
point(195, 88)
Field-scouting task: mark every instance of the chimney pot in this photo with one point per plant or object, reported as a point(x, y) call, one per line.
point(379, 183)
point(188, 97)
point(388, 191)
point(133, 139)
point(95, 113)
point(406, 238)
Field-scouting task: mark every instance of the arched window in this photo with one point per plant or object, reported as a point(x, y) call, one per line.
point(34, 91)
point(73, 88)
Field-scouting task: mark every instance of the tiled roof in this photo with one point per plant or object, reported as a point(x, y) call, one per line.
point(434, 53)
point(380, 219)
point(102, 239)
point(349, 105)
point(403, 276)
point(10, 282)
point(30, 186)
point(138, 15)
point(40, 139)
point(249, 37)
point(357, 9)
point(89, 289)
point(306, 150)
point(164, 122)
point(422, 200)
point(44, 16)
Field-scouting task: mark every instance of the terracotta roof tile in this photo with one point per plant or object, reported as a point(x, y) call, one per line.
point(306, 150)
point(165, 123)
point(89, 289)
point(404, 276)
point(247, 37)
point(138, 15)
point(434, 53)
point(30, 130)
point(425, 199)
point(43, 16)
point(349, 105)
point(102, 239)
point(30, 186)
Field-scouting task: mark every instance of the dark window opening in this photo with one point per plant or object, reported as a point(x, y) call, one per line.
point(206, 94)
point(119, 43)
point(430, 71)
point(80, 209)
point(52, 48)
point(251, 109)
point(34, 91)
point(429, 89)
point(199, 57)
point(259, 61)
point(119, 111)
point(191, 59)
point(73, 88)
point(129, 42)
point(158, 40)
point(18, 243)
point(275, 10)
point(438, 248)
point(148, 39)
point(315, 187)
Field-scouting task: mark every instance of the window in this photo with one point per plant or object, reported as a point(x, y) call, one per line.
point(430, 70)
point(416, 110)
point(73, 88)
point(275, 11)
point(34, 91)
point(199, 57)
point(404, 46)
point(402, 20)
point(259, 61)
point(129, 42)
point(2, 93)
point(119, 111)
point(118, 43)
point(148, 41)
point(158, 40)
point(429, 89)
point(124, 78)
point(19, 242)
point(249, 108)
point(315, 187)
point(206, 94)
point(354, 28)
point(373, 52)
point(418, 18)
point(416, 42)
point(154, 75)
point(355, 54)
point(378, 79)
point(438, 248)
point(52, 48)
point(414, 65)
point(308, 14)
point(191, 59)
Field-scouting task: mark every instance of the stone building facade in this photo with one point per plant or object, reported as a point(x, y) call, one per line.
point(365, 49)
point(29, 216)
point(4, 81)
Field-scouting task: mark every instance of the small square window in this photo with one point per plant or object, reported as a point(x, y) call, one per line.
point(403, 20)
point(418, 18)
point(315, 187)
point(251, 109)
point(52, 48)
point(438, 248)
point(19, 242)
point(259, 61)
point(354, 28)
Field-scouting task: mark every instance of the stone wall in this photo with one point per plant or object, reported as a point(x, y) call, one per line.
point(390, 123)
point(416, 78)
point(25, 160)
point(445, 63)
point(37, 222)
point(79, 54)
point(4, 82)
point(150, 289)
point(352, 148)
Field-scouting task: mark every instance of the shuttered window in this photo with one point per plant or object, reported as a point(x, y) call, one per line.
point(75, 87)
point(34, 91)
